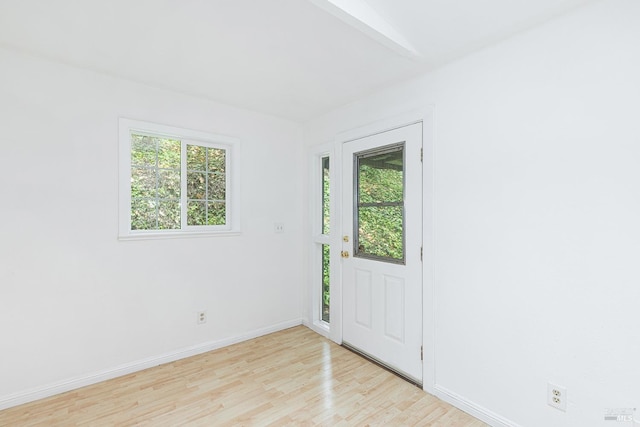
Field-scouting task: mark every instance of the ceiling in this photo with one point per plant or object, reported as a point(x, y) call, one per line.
point(291, 58)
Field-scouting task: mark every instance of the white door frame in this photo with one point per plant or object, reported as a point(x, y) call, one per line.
point(428, 221)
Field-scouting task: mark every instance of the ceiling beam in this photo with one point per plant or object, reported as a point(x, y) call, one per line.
point(360, 15)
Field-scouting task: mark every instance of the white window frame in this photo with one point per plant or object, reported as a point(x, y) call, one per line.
point(318, 239)
point(186, 136)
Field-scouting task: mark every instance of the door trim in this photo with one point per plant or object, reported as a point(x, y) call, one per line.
point(426, 117)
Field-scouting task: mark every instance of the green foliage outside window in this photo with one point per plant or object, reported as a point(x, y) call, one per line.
point(381, 205)
point(206, 185)
point(156, 184)
point(325, 283)
point(326, 287)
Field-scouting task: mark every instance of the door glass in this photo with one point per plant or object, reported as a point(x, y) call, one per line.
point(379, 200)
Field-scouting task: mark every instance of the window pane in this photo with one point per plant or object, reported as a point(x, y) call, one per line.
point(216, 213)
point(196, 213)
point(381, 231)
point(381, 178)
point(143, 150)
point(196, 185)
point(143, 214)
point(168, 153)
point(215, 186)
point(217, 160)
point(325, 196)
point(169, 214)
point(325, 214)
point(206, 186)
point(155, 177)
point(379, 217)
point(169, 184)
point(325, 284)
point(143, 182)
point(196, 158)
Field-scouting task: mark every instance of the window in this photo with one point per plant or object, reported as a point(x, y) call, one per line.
point(175, 182)
point(321, 249)
point(326, 270)
point(379, 196)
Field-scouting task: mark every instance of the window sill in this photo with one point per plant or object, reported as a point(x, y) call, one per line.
point(178, 235)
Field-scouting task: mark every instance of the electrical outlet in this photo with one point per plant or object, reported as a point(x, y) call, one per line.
point(278, 227)
point(557, 396)
point(202, 317)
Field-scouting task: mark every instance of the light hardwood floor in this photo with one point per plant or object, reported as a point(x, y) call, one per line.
point(290, 378)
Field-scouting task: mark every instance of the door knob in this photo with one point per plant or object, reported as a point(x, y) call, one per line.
point(344, 254)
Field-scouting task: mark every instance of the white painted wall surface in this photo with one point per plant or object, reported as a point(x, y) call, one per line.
point(75, 301)
point(537, 183)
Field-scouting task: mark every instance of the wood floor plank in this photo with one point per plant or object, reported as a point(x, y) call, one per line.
point(290, 378)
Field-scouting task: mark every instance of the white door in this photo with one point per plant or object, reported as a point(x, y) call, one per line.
point(381, 249)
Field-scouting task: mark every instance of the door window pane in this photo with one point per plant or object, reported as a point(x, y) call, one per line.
point(379, 195)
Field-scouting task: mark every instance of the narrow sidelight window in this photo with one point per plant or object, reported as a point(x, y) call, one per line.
point(326, 284)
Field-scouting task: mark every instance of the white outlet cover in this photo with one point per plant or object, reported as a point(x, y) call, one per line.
point(557, 396)
point(201, 317)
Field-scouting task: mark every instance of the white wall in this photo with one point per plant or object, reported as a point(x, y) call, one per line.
point(76, 301)
point(537, 184)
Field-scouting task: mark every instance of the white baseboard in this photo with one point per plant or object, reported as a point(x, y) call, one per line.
point(471, 408)
point(118, 371)
point(317, 328)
